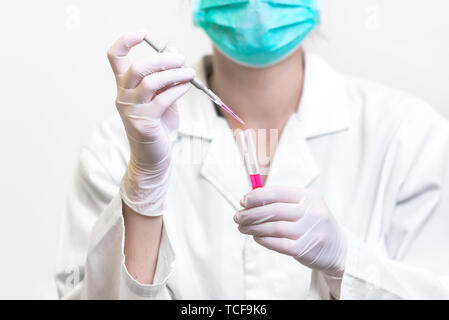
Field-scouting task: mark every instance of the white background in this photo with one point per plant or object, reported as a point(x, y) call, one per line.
point(56, 85)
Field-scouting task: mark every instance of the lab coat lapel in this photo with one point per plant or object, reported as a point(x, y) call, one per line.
point(293, 163)
point(323, 108)
point(224, 168)
point(322, 112)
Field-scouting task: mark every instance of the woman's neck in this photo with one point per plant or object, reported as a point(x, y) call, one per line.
point(264, 98)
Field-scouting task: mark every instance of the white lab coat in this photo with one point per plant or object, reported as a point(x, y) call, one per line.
point(379, 157)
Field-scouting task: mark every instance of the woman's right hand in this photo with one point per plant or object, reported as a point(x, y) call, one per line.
point(147, 92)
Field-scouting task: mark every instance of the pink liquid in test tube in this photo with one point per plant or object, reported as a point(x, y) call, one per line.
point(256, 181)
point(250, 157)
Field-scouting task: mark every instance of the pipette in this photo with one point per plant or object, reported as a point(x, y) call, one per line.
point(197, 83)
point(250, 158)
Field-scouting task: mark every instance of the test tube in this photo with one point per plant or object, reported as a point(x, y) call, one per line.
point(250, 158)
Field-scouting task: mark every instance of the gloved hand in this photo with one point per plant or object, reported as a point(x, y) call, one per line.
point(295, 222)
point(147, 92)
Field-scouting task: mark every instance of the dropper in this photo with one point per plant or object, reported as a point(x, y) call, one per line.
point(197, 83)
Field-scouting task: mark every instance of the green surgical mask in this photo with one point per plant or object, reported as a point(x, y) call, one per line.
point(256, 33)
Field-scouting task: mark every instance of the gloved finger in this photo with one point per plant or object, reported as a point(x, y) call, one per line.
point(156, 63)
point(263, 196)
point(118, 53)
point(277, 229)
point(272, 212)
point(167, 98)
point(155, 82)
point(281, 245)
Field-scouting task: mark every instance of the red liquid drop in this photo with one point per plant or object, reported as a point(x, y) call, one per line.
point(256, 181)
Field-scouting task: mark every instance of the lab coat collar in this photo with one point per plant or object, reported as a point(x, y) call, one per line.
point(292, 165)
point(322, 110)
point(323, 107)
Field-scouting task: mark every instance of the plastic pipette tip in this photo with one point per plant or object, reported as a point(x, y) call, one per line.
point(228, 110)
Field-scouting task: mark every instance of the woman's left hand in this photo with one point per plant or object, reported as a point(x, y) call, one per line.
point(295, 222)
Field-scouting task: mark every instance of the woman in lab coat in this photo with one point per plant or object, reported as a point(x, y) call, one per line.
point(356, 199)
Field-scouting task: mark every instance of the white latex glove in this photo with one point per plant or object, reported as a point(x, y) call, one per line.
point(147, 92)
point(296, 222)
